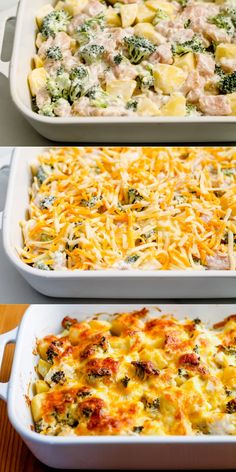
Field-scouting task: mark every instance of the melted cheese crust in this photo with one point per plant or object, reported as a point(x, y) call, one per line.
point(132, 208)
point(134, 374)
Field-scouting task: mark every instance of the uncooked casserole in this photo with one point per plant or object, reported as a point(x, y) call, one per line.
point(136, 375)
point(132, 208)
point(135, 57)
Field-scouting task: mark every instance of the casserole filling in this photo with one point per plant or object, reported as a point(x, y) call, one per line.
point(132, 208)
point(137, 375)
point(135, 58)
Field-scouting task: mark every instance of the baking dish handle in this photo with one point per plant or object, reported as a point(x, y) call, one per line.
point(5, 161)
point(5, 15)
point(5, 339)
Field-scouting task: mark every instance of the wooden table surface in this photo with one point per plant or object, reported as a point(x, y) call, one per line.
point(14, 455)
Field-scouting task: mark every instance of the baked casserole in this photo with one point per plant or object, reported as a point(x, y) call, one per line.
point(132, 374)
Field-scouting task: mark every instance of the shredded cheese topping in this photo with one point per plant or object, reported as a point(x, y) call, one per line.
point(138, 374)
point(132, 208)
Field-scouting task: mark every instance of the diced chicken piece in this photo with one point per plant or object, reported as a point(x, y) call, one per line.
point(218, 262)
point(162, 54)
point(229, 65)
point(77, 21)
point(205, 65)
point(62, 107)
point(216, 105)
point(125, 70)
point(69, 61)
point(218, 35)
point(197, 11)
point(51, 66)
point(164, 27)
point(62, 40)
point(42, 98)
point(44, 47)
point(94, 8)
point(181, 35)
point(193, 86)
point(83, 107)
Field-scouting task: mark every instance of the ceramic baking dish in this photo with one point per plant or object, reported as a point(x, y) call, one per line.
point(102, 283)
point(94, 129)
point(107, 452)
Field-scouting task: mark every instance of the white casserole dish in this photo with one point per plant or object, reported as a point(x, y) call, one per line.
point(107, 452)
point(97, 129)
point(104, 283)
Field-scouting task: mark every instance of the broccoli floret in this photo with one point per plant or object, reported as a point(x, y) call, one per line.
point(190, 108)
point(41, 266)
point(183, 3)
point(222, 21)
point(58, 377)
point(227, 83)
point(137, 429)
point(89, 203)
point(145, 80)
point(152, 406)
point(38, 426)
point(231, 12)
point(85, 32)
point(79, 73)
point(160, 15)
point(76, 90)
point(125, 381)
point(78, 78)
point(219, 71)
point(54, 22)
point(54, 52)
point(194, 45)
point(138, 48)
point(45, 237)
point(132, 259)
point(97, 97)
point(41, 175)
point(47, 202)
point(229, 172)
point(47, 110)
point(134, 196)
point(187, 23)
point(231, 406)
point(91, 53)
point(132, 104)
point(118, 59)
point(59, 86)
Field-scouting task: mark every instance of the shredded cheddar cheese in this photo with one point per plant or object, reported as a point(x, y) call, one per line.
point(132, 208)
point(137, 374)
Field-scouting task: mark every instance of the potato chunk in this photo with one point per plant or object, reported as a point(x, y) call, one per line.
point(147, 107)
point(146, 30)
point(128, 13)
point(112, 17)
point(37, 79)
point(161, 5)
point(226, 51)
point(37, 406)
point(123, 88)
point(168, 78)
point(186, 62)
point(176, 106)
point(145, 14)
